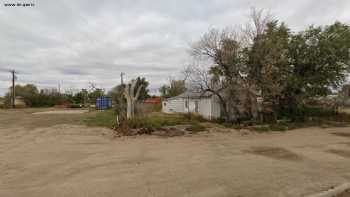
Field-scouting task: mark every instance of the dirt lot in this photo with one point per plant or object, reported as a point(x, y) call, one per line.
point(55, 155)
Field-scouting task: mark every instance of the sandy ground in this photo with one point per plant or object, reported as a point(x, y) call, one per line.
point(39, 159)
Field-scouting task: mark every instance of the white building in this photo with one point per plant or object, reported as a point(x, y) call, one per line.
point(204, 104)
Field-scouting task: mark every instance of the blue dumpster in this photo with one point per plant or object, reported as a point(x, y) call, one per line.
point(103, 103)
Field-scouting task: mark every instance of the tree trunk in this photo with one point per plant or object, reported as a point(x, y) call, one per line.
point(224, 107)
point(129, 109)
point(131, 98)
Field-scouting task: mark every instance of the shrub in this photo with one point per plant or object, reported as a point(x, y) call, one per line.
point(195, 128)
point(231, 125)
point(76, 106)
point(157, 121)
point(278, 127)
point(227, 124)
point(300, 114)
point(272, 127)
point(194, 117)
point(261, 129)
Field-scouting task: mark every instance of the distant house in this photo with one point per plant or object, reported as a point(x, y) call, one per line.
point(152, 101)
point(149, 105)
point(20, 102)
point(202, 103)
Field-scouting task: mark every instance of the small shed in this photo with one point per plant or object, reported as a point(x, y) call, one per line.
point(202, 103)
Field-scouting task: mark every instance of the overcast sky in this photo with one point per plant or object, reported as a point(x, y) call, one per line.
point(74, 42)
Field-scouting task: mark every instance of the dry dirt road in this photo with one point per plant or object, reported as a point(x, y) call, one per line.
point(54, 155)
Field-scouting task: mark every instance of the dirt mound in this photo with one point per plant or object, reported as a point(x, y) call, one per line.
point(341, 134)
point(167, 131)
point(275, 153)
point(342, 153)
point(346, 193)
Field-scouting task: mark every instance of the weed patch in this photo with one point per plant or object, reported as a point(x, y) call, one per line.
point(195, 128)
point(105, 118)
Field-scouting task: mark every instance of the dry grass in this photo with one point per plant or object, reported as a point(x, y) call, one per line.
point(25, 117)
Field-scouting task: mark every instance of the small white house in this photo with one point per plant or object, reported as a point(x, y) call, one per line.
point(204, 104)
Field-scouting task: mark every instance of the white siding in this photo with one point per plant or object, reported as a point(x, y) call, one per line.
point(209, 108)
point(191, 105)
point(205, 108)
point(215, 107)
point(173, 106)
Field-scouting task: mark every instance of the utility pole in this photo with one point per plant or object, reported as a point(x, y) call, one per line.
point(13, 88)
point(121, 78)
point(59, 88)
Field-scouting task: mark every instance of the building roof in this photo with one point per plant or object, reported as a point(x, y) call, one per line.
point(192, 95)
point(155, 100)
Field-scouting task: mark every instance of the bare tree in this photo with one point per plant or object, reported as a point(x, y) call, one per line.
point(131, 98)
point(229, 74)
point(223, 49)
point(214, 43)
point(200, 79)
point(256, 25)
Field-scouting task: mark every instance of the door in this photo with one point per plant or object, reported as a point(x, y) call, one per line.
point(196, 106)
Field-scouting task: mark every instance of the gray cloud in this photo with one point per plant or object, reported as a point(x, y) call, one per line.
point(71, 70)
point(74, 42)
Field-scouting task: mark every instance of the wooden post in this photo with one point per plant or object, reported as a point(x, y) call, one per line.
point(13, 89)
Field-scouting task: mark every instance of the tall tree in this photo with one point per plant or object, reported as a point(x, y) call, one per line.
point(117, 95)
point(94, 94)
point(224, 49)
point(267, 62)
point(144, 92)
point(319, 61)
point(28, 92)
point(175, 87)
